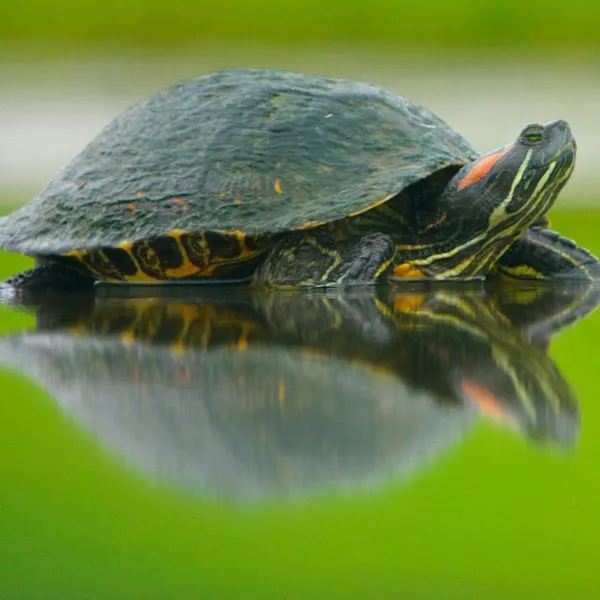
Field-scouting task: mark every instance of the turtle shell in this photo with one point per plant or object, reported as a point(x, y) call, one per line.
point(251, 151)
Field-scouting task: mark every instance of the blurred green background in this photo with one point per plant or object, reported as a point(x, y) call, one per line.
point(154, 24)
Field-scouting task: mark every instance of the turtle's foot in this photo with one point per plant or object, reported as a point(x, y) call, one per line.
point(51, 276)
point(318, 260)
point(544, 255)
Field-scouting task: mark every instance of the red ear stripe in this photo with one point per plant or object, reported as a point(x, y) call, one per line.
point(489, 404)
point(481, 168)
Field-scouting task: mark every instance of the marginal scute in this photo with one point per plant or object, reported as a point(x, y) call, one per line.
point(196, 248)
point(122, 260)
point(224, 246)
point(148, 259)
point(98, 263)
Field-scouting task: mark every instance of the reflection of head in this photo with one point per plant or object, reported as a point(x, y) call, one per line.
point(522, 390)
point(491, 364)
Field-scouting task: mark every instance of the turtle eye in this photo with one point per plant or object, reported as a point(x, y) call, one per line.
point(533, 134)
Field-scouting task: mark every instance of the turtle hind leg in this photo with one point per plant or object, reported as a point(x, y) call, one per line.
point(318, 260)
point(543, 254)
point(51, 276)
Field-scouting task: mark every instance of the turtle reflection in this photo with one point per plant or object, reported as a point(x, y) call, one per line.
point(246, 396)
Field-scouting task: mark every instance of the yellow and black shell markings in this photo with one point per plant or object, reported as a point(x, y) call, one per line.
point(176, 255)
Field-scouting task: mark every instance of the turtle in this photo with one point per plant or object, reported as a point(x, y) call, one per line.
point(276, 178)
point(289, 394)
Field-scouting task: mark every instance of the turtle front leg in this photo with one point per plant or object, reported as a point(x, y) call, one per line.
point(318, 260)
point(543, 254)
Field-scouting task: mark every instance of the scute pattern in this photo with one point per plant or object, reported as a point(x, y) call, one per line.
point(256, 151)
point(177, 255)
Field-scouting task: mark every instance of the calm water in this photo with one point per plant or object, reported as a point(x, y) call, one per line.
point(359, 444)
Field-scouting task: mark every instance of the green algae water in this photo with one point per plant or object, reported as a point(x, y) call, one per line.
point(365, 444)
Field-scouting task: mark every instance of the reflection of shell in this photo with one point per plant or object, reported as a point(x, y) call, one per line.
point(267, 421)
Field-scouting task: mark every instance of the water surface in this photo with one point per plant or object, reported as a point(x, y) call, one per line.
point(406, 443)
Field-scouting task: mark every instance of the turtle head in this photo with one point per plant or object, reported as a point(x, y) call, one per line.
point(491, 202)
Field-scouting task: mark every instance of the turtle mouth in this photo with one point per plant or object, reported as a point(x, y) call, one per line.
point(559, 142)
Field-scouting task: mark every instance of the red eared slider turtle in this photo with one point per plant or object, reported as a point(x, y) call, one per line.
point(295, 180)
